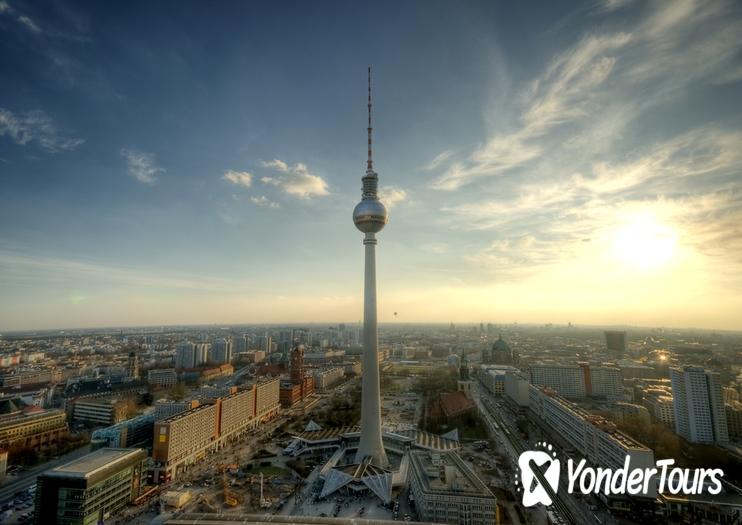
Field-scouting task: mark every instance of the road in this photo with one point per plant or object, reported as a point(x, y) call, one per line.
point(28, 478)
point(565, 511)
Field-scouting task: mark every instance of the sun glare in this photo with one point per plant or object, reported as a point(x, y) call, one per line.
point(644, 243)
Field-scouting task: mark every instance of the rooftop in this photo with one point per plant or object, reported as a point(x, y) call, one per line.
point(447, 473)
point(94, 462)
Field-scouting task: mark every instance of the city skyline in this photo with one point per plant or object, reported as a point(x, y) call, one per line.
point(200, 167)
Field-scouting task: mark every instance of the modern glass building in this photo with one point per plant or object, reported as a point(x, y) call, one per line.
point(90, 489)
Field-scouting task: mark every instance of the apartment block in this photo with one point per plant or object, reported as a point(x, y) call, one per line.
point(33, 428)
point(590, 435)
point(700, 415)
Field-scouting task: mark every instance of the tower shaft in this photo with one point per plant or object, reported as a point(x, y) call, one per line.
point(371, 443)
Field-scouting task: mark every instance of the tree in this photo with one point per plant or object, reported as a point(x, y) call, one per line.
point(178, 391)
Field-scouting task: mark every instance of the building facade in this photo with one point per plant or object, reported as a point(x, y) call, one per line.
point(162, 377)
point(446, 490)
point(700, 415)
point(35, 429)
point(185, 438)
point(590, 435)
point(90, 489)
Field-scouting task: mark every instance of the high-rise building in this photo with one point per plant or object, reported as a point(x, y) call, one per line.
point(221, 351)
point(265, 343)
point(603, 380)
point(700, 416)
point(90, 489)
point(185, 355)
point(567, 380)
point(579, 380)
point(370, 217)
point(615, 342)
point(240, 344)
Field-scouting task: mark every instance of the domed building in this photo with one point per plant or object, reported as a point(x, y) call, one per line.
point(499, 354)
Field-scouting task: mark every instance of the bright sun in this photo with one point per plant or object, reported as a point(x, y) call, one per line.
point(644, 243)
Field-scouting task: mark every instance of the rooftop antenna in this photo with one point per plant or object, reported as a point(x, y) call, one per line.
point(369, 162)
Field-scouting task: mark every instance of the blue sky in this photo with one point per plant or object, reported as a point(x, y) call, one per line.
point(182, 162)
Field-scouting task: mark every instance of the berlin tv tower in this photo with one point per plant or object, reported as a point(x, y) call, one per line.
point(370, 217)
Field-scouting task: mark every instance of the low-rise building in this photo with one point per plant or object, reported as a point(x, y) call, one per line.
point(99, 410)
point(734, 419)
point(125, 434)
point(32, 428)
point(630, 412)
point(162, 377)
point(446, 490)
point(324, 379)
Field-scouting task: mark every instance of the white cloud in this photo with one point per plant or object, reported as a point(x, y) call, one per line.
point(295, 180)
point(264, 201)
point(35, 126)
point(5, 7)
point(689, 184)
point(590, 93)
point(439, 160)
point(30, 24)
point(391, 196)
point(241, 178)
point(142, 165)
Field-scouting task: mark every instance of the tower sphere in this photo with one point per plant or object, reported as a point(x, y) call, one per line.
point(370, 216)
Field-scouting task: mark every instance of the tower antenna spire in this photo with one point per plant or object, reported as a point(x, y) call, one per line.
point(370, 161)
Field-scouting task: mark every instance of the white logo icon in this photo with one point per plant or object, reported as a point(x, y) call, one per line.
point(533, 490)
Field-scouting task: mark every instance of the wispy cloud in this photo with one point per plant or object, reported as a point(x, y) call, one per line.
point(35, 126)
point(438, 160)
point(689, 183)
point(142, 165)
point(30, 24)
point(577, 162)
point(391, 196)
point(264, 202)
point(26, 21)
point(594, 87)
point(295, 180)
point(241, 178)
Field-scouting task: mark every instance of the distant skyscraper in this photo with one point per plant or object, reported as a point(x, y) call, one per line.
point(698, 401)
point(265, 343)
point(370, 217)
point(221, 351)
point(185, 355)
point(190, 355)
point(615, 342)
point(240, 344)
point(201, 354)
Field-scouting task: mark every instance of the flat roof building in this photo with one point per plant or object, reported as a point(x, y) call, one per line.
point(446, 490)
point(90, 489)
